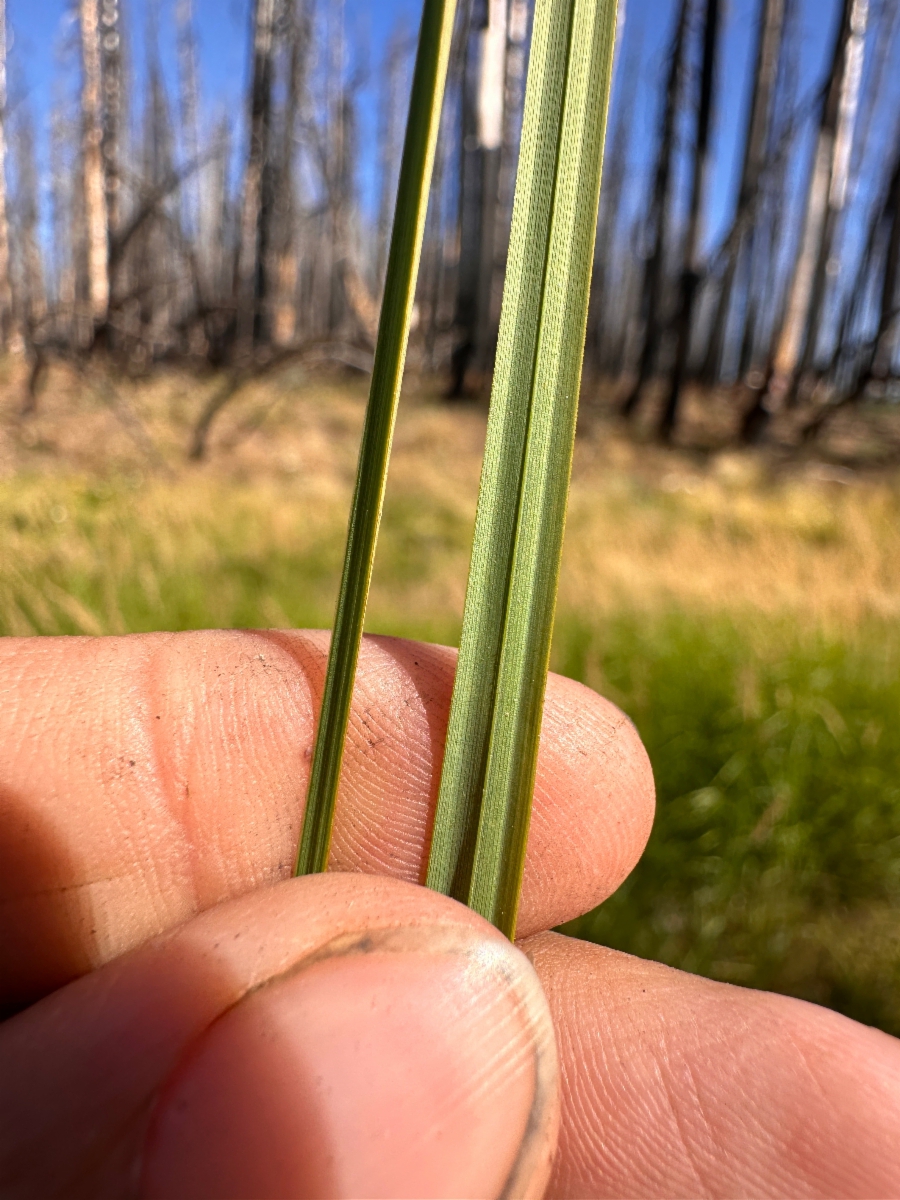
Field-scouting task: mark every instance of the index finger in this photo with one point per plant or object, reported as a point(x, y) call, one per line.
point(146, 778)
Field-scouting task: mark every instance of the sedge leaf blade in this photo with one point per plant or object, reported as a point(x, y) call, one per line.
point(531, 602)
point(468, 731)
point(517, 645)
point(426, 97)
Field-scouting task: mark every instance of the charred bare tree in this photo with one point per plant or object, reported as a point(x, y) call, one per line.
point(157, 242)
point(350, 294)
point(30, 301)
point(62, 254)
point(878, 352)
point(885, 339)
point(285, 265)
point(151, 305)
point(825, 199)
point(482, 108)
point(189, 113)
point(194, 213)
point(761, 299)
point(113, 96)
point(851, 69)
point(657, 224)
point(609, 221)
point(692, 270)
point(739, 240)
point(438, 254)
point(256, 205)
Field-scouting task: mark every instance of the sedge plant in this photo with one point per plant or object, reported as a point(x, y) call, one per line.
point(481, 825)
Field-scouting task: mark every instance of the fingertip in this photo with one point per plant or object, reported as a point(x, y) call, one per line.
point(594, 805)
point(368, 1073)
point(400, 1060)
point(329, 1036)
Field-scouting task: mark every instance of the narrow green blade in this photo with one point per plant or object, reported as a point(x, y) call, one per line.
point(387, 374)
point(484, 803)
point(468, 732)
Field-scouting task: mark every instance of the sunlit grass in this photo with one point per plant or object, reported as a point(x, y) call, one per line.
point(749, 628)
point(775, 856)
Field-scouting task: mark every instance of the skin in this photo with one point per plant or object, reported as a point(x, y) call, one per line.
point(184, 1020)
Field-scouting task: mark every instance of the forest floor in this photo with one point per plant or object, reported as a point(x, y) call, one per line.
point(742, 607)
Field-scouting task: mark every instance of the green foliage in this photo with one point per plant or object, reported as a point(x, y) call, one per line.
point(775, 856)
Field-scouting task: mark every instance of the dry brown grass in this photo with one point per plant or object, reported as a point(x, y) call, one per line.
point(648, 529)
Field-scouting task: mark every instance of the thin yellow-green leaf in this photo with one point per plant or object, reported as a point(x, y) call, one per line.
point(422, 126)
point(484, 803)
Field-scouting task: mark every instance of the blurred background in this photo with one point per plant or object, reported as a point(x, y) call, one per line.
point(195, 212)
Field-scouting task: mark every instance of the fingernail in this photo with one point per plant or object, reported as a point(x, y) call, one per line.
point(411, 1063)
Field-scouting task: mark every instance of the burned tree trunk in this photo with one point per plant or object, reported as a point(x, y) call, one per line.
point(350, 293)
point(30, 300)
point(438, 250)
point(32, 303)
point(482, 140)
point(851, 68)
point(113, 96)
point(609, 220)
point(740, 236)
point(825, 198)
point(691, 271)
point(657, 221)
point(286, 263)
point(889, 309)
point(878, 353)
point(256, 210)
point(62, 195)
point(491, 105)
point(192, 201)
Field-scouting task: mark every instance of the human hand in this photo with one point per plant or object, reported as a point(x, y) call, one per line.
point(189, 1026)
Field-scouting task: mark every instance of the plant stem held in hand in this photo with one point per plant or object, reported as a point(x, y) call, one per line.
point(387, 374)
point(484, 804)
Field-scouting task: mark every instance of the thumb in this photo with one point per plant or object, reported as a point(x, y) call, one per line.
point(339, 1035)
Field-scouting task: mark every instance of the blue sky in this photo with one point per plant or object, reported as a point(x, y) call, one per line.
point(43, 29)
point(43, 50)
point(40, 27)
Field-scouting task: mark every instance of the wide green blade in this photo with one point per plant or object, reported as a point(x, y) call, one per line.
point(487, 782)
point(387, 374)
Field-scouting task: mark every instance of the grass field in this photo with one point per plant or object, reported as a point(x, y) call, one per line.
point(746, 620)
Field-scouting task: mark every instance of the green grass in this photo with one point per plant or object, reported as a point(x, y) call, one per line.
point(775, 859)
